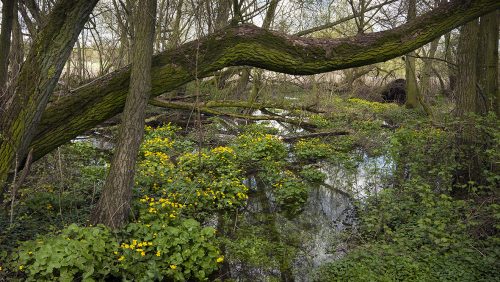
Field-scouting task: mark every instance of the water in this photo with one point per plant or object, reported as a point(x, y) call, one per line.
point(327, 215)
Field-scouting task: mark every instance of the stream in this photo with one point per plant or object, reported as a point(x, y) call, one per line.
point(327, 214)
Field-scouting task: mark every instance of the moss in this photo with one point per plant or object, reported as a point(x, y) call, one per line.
point(245, 45)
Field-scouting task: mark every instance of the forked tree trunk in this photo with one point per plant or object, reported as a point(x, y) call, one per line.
point(113, 207)
point(37, 79)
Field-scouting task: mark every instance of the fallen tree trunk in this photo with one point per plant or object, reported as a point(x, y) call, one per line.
point(231, 104)
point(208, 108)
point(104, 97)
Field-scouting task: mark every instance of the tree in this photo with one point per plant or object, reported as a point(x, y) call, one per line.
point(411, 79)
point(37, 79)
point(7, 21)
point(487, 69)
point(477, 88)
point(114, 204)
point(103, 98)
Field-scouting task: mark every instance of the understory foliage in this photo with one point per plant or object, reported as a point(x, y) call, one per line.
point(178, 187)
point(416, 229)
point(200, 210)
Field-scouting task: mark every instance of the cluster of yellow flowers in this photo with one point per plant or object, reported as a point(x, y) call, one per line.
point(156, 165)
point(158, 142)
point(139, 247)
point(168, 204)
point(157, 157)
point(222, 150)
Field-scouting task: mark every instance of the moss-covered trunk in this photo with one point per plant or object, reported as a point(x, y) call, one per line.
point(37, 79)
point(103, 98)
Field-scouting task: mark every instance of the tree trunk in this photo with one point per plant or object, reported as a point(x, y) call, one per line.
point(451, 68)
point(425, 81)
point(466, 60)
point(114, 204)
point(17, 52)
point(411, 79)
point(468, 137)
point(103, 98)
point(242, 83)
point(487, 70)
point(37, 79)
point(7, 21)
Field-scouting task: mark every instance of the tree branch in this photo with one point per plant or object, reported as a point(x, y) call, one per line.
point(103, 98)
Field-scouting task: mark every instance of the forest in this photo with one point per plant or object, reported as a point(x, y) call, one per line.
point(249, 140)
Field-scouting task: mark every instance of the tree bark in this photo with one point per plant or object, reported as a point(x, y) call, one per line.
point(103, 98)
point(17, 52)
point(411, 78)
point(113, 207)
point(425, 81)
point(7, 21)
point(467, 74)
point(451, 70)
point(487, 69)
point(468, 137)
point(37, 79)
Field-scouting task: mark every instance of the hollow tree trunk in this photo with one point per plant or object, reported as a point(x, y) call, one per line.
point(37, 79)
point(114, 204)
point(103, 98)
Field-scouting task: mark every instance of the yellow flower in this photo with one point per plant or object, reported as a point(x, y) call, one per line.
point(173, 266)
point(134, 242)
point(220, 259)
point(150, 244)
point(143, 253)
point(21, 267)
point(121, 258)
point(158, 253)
point(30, 253)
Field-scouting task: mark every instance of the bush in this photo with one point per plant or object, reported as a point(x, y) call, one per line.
point(178, 250)
point(85, 253)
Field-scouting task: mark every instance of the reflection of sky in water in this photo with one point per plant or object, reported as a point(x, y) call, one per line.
point(366, 179)
point(277, 125)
